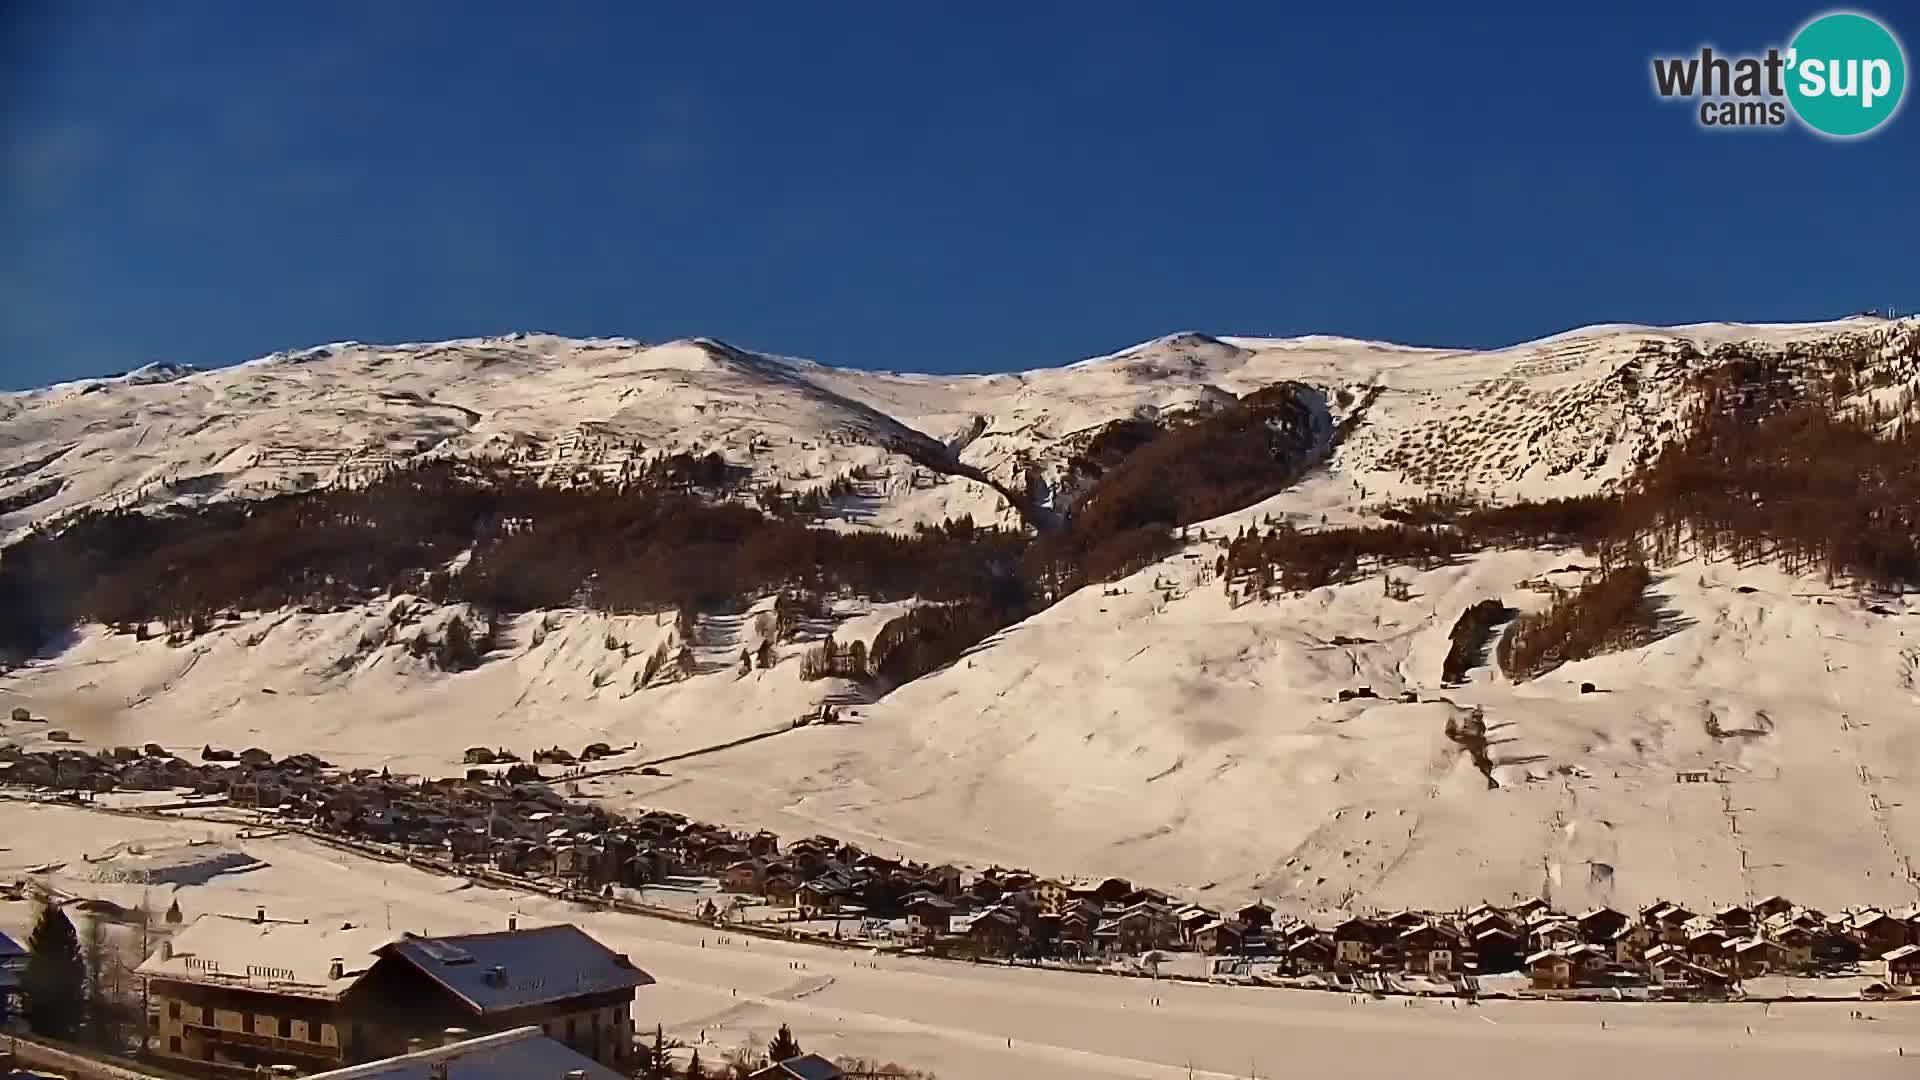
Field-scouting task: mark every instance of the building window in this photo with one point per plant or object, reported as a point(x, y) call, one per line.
point(173, 1045)
point(570, 1029)
point(326, 1034)
point(286, 1027)
point(173, 1010)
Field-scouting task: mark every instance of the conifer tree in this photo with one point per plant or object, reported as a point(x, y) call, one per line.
point(783, 1046)
point(56, 976)
point(659, 1066)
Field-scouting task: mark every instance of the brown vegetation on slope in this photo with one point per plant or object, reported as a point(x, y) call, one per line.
point(1200, 468)
point(1767, 469)
point(622, 548)
point(1609, 612)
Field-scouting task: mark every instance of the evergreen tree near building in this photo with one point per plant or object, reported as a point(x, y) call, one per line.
point(695, 1070)
point(783, 1046)
point(658, 1065)
point(56, 976)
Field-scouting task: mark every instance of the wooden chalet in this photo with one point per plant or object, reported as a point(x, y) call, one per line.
point(1361, 943)
point(1903, 966)
point(1879, 933)
point(1219, 937)
point(1307, 955)
point(1599, 925)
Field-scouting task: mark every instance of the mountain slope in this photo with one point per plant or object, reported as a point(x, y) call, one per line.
point(1159, 725)
point(1558, 416)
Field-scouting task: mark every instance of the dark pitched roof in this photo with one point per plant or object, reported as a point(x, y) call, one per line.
point(512, 969)
point(10, 947)
point(804, 1067)
point(508, 1055)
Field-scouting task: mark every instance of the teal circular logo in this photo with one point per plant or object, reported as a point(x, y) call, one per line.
point(1846, 74)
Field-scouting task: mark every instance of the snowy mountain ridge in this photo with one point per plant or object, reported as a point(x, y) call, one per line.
point(1562, 415)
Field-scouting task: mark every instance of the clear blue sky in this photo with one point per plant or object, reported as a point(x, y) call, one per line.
point(878, 184)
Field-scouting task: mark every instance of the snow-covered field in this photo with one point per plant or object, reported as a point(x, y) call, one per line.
point(1148, 728)
point(967, 1021)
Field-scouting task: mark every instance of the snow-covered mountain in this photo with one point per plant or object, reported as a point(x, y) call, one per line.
point(1151, 726)
point(1565, 414)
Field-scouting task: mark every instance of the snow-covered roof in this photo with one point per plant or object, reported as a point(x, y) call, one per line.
point(274, 957)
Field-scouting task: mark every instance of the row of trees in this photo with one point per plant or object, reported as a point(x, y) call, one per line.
point(1606, 613)
point(1294, 559)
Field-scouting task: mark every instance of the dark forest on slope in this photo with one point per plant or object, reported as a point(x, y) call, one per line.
point(676, 536)
point(1767, 469)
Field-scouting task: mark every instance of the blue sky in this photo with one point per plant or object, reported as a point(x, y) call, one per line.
point(943, 188)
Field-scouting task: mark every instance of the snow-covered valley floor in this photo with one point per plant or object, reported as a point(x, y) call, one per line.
point(958, 1019)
